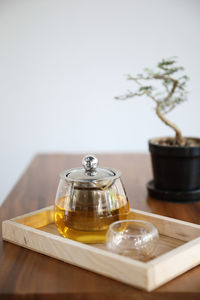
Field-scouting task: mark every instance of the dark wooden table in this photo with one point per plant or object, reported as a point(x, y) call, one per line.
point(25, 274)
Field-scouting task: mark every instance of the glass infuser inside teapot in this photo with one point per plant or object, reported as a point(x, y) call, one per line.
point(88, 200)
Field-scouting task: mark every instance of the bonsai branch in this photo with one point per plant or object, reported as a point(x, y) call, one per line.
point(167, 79)
point(173, 94)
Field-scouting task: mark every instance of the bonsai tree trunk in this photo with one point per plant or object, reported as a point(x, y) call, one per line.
point(179, 138)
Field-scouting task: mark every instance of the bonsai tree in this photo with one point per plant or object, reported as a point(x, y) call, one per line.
point(171, 77)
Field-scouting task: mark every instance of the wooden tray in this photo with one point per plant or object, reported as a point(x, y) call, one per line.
point(178, 248)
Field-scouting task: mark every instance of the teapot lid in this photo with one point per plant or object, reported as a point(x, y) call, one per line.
point(90, 171)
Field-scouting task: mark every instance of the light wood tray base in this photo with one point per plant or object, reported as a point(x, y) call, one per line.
point(178, 248)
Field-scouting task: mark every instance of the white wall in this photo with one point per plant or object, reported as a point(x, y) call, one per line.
point(63, 61)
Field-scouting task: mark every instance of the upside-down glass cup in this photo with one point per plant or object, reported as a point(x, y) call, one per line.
point(88, 200)
point(134, 238)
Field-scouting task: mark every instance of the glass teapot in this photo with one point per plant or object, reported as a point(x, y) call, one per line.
point(88, 200)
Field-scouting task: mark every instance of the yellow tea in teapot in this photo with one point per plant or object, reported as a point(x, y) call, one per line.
point(88, 200)
point(88, 224)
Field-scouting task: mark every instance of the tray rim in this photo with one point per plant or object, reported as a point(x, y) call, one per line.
point(150, 268)
point(120, 257)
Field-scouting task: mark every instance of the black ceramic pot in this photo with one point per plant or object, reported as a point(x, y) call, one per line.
point(176, 172)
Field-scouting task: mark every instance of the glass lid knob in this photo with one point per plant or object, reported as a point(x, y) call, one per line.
point(90, 164)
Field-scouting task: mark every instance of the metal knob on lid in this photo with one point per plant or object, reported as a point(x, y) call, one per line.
point(90, 164)
point(90, 172)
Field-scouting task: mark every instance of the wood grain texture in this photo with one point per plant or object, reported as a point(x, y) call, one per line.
point(24, 272)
